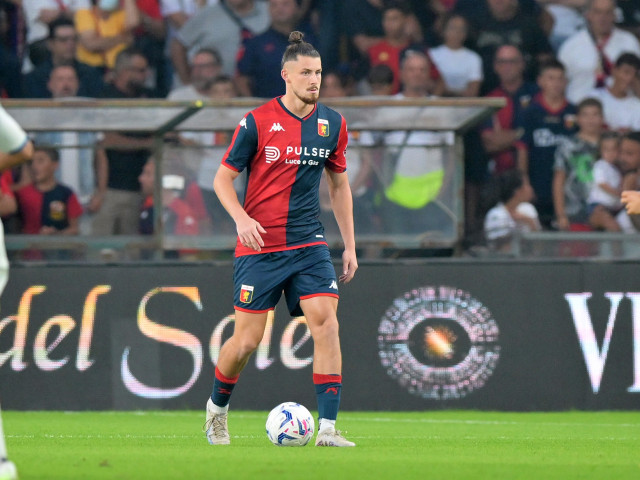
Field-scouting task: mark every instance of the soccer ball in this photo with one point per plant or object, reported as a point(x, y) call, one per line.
point(290, 425)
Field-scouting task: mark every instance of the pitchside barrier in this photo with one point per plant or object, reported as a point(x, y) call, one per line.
point(416, 335)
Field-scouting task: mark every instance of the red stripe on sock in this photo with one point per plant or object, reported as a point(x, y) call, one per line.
point(224, 379)
point(321, 378)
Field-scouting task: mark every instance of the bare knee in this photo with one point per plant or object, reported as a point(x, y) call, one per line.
point(245, 346)
point(327, 329)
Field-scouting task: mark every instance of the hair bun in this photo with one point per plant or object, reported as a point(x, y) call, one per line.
point(296, 37)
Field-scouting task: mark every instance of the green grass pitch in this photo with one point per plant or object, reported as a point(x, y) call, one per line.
point(417, 445)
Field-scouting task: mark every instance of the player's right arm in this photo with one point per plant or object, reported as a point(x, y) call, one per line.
point(238, 156)
point(15, 146)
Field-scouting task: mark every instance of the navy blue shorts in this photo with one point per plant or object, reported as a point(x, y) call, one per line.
point(260, 279)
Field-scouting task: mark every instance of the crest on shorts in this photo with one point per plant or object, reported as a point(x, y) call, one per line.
point(246, 293)
point(323, 127)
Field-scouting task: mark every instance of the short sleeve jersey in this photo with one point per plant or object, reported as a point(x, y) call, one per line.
point(285, 156)
point(51, 209)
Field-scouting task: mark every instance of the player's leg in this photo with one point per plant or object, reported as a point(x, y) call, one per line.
point(234, 355)
point(320, 313)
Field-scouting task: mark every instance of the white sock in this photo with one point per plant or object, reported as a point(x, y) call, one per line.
point(3, 447)
point(326, 424)
point(219, 410)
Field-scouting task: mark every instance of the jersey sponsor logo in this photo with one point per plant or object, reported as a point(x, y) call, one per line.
point(243, 122)
point(246, 293)
point(333, 285)
point(276, 127)
point(543, 137)
point(323, 127)
point(271, 153)
point(308, 152)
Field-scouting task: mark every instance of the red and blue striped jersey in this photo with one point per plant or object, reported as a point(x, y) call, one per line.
point(285, 156)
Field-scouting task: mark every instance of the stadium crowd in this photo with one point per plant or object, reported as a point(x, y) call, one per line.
point(556, 157)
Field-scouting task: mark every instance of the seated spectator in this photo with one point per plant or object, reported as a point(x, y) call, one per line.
point(590, 54)
point(396, 39)
point(508, 22)
point(567, 19)
point(460, 67)
point(500, 135)
point(545, 123)
point(260, 57)
point(117, 197)
point(621, 105)
point(47, 207)
point(573, 169)
point(205, 67)
point(75, 149)
point(224, 27)
point(380, 80)
point(604, 195)
point(39, 15)
point(62, 44)
point(105, 30)
point(513, 213)
point(628, 219)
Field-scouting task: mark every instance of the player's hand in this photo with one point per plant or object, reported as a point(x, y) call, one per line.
point(349, 266)
point(249, 231)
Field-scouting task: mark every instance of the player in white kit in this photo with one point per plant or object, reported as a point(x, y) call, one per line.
point(15, 148)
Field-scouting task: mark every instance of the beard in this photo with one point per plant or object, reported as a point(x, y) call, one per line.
point(309, 98)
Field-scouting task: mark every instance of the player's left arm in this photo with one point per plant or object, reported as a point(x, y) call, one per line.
point(15, 146)
point(342, 206)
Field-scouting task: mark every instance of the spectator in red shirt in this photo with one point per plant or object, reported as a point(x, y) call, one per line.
point(46, 206)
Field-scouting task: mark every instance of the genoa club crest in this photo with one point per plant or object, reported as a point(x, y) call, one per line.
point(323, 127)
point(246, 293)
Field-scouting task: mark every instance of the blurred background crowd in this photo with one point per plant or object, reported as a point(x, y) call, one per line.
point(554, 158)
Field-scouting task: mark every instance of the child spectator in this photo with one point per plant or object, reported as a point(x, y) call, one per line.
point(604, 196)
point(46, 206)
point(380, 80)
point(513, 213)
point(573, 168)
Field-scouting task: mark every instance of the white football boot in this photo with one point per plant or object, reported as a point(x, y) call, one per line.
point(332, 438)
point(8, 470)
point(215, 427)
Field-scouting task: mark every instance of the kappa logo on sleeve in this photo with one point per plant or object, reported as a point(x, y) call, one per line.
point(243, 122)
point(246, 293)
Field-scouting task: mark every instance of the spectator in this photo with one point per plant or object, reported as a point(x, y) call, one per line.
point(75, 149)
point(205, 67)
point(604, 195)
point(416, 174)
point(513, 214)
point(621, 106)
point(460, 67)
point(46, 206)
point(223, 26)
point(590, 54)
point(630, 166)
point(545, 123)
point(117, 199)
point(506, 22)
point(149, 38)
point(567, 19)
point(396, 39)
point(380, 80)
point(105, 30)
point(573, 169)
point(10, 78)
point(39, 16)
point(62, 44)
point(629, 20)
point(500, 136)
point(259, 58)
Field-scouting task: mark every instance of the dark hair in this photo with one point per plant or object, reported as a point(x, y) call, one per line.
point(589, 102)
point(59, 22)
point(396, 5)
point(630, 59)
point(210, 51)
point(380, 75)
point(633, 136)
point(51, 152)
point(552, 64)
point(123, 59)
point(297, 46)
point(509, 182)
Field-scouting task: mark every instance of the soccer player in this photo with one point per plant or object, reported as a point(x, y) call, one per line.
point(15, 148)
point(285, 145)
